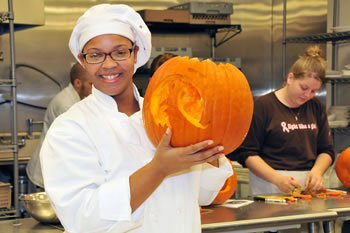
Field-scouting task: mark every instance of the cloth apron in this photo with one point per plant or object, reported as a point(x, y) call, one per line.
point(259, 186)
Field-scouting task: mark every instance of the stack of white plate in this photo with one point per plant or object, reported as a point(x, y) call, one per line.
point(346, 71)
point(339, 116)
point(341, 29)
point(334, 74)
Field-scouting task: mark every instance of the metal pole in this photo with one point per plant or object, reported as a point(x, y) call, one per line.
point(335, 13)
point(335, 23)
point(284, 43)
point(212, 35)
point(334, 50)
point(14, 108)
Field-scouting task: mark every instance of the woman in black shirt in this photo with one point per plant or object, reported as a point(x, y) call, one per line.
point(289, 145)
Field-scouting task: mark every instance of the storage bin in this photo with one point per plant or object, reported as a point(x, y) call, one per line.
point(5, 195)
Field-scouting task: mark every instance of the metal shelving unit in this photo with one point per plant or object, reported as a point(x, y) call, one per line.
point(231, 31)
point(13, 147)
point(322, 37)
point(336, 37)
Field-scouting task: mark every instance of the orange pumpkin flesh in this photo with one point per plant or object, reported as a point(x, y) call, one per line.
point(342, 167)
point(228, 189)
point(198, 101)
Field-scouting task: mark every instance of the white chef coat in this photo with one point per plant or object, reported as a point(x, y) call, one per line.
point(87, 157)
point(58, 105)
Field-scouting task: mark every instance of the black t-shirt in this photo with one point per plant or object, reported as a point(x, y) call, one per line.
point(286, 138)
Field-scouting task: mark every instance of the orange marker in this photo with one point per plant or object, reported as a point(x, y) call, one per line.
point(302, 196)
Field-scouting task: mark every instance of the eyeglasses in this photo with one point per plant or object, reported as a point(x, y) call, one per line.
point(99, 57)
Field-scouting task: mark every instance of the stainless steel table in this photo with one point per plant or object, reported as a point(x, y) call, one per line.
point(340, 204)
point(261, 216)
point(255, 217)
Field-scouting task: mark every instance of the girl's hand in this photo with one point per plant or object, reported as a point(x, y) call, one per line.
point(170, 159)
point(287, 184)
point(314, 181)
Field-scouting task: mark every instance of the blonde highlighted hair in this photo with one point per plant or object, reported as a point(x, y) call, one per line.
point(311, 64)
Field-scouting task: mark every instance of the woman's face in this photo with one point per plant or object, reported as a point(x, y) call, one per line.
point(301, 90)
point(113, 78)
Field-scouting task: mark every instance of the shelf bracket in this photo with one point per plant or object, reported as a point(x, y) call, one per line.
point(235, 31)
point(230, 33)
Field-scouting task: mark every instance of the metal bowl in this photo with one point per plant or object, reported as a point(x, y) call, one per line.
point(38, 206)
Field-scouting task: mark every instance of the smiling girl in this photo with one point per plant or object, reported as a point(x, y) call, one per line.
point(101, 172)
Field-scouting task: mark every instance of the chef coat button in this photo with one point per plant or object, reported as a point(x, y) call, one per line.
point(179, 211)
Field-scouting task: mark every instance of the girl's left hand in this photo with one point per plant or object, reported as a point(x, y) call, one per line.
point(314, 182)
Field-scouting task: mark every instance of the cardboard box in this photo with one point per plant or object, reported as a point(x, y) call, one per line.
point(165, 16)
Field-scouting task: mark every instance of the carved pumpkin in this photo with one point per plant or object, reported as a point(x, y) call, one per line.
point(198, 101)
point(342, 167)
point(228, 189)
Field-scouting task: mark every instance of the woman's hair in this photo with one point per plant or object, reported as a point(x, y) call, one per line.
point(159, 60)
point(311, 64)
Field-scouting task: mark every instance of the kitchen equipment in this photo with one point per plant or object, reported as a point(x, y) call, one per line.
point(38, 206)
point(209, 19)
point(207, 12)
point(165, 16)
point(223, 8)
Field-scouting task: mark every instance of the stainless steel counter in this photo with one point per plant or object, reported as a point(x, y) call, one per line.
point(261, 216)
point(340, 204)
point(256, 217)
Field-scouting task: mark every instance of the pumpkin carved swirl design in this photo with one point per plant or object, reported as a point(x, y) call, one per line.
point(198, 101)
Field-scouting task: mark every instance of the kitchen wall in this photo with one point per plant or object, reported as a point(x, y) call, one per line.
point(259, 46)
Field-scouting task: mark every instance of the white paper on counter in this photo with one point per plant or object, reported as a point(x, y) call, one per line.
point(234, 203)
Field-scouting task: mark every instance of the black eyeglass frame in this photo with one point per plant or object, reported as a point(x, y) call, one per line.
point(109, 54)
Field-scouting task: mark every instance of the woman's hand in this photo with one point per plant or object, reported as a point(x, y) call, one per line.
point(314, 181)
point(287, 183)
point(260, 168)
point(170, 160)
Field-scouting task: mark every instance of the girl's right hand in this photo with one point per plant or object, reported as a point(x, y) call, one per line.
point(170, 159)
point(287, 184)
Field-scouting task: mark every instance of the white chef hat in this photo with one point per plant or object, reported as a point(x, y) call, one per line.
point(117, 19)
